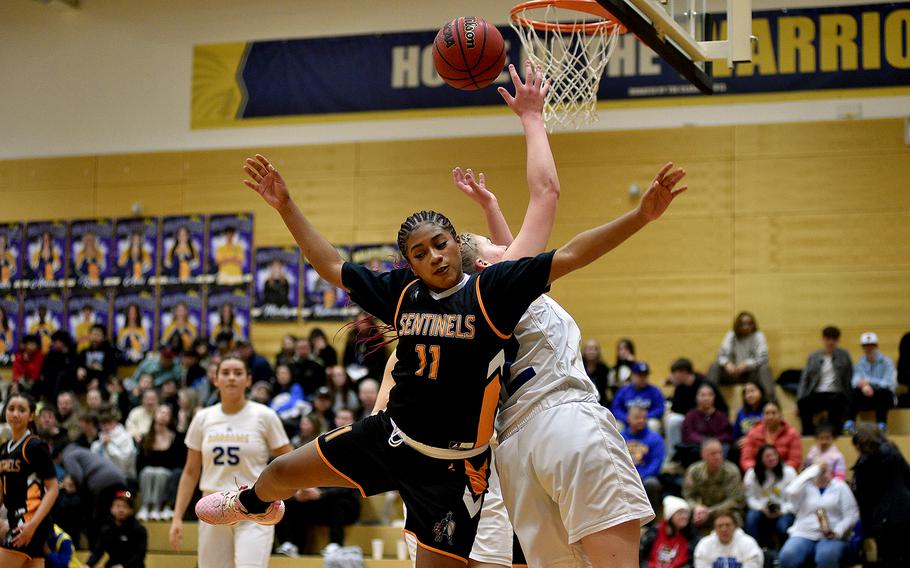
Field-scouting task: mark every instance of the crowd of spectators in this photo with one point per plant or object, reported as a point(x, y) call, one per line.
point(732, 487)
point(727, 483)
point(116, 430)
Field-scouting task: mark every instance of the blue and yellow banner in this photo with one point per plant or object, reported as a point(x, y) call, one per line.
point(807, 51)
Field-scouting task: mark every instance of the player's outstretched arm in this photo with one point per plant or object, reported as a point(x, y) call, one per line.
point(268, 183)
point(476, 190)
point(543, 181)
point(588, 246)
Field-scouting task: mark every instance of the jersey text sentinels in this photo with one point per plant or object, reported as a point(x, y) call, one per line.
point(450, 348)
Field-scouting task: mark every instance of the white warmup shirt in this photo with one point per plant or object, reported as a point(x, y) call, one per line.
point(235, 447)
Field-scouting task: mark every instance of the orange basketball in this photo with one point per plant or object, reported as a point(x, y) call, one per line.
point(469, 53)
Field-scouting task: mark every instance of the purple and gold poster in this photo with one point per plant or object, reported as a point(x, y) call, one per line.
point(277, 284)
point(322, 300)
point(9, 327)
point(182, 254)
point(10, 255)
point(91, 251)
point(85, 310)
point(228, 311)
point(45, 254)
point(230, 247)
point(43, 314)
point(134, 323)
point(180, 316)
point(137, 249)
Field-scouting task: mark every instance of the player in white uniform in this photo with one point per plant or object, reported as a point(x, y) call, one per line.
point(229, 444)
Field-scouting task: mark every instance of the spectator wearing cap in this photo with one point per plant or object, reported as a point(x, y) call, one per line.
point(639, 393)
point(123, 538)
point(647, 450)
point(671, 543)
point(874, 384)
point(257, 364)
point(686, 383)
point(161, 366)
point(825, 384)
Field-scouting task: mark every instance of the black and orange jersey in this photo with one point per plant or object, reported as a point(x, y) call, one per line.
point(24, 465)
point(450, 344)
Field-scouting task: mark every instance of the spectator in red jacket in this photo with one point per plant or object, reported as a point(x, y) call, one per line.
point(775, 431)
point(27, 364)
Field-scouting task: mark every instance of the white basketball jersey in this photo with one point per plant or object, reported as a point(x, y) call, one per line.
point(234, 447)
point(548, 359)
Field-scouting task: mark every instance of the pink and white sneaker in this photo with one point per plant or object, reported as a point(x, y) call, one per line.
point(224, 508)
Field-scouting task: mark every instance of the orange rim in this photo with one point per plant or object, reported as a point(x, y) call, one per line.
point(609, 24)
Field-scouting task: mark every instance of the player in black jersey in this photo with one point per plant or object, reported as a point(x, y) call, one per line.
point(29, 487)
point(432, 442)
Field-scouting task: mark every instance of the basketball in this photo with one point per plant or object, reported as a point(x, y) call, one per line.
point(469, 53)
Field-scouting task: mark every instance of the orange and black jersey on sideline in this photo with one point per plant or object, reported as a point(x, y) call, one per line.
point(450, 344)
point(24, 465)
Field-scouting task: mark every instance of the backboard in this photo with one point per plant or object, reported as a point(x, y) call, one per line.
point(675, 30)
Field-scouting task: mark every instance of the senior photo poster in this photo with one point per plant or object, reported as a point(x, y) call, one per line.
point(230, 248)
point(10, 255)
point(277, 284)
point(137, 250)
point(91, 252)
point(134, 323)
point(45, 254)
point(182, 254)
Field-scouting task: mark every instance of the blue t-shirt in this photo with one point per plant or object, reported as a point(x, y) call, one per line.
point(650, 398)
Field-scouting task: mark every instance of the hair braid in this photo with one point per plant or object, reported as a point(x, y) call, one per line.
point(417, 219)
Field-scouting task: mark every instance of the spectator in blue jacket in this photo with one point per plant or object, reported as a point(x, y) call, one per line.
point(640, 393)
point(647, 450)
point(874, 384)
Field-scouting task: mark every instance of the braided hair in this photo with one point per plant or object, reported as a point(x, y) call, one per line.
point(417, 219)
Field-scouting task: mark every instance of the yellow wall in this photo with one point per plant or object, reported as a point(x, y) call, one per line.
point(805, 224)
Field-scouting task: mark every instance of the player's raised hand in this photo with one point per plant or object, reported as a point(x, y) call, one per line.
point(530, 94)
point(661, 192)
point(266, 181)
point(475, 188)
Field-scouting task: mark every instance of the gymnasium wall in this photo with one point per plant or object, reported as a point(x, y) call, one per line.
point(114, 76)
point(806, 224)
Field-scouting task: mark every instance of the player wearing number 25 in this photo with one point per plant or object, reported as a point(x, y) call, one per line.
point(229, 444)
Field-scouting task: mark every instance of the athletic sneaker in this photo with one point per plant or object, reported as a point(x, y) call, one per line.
point(224, 508)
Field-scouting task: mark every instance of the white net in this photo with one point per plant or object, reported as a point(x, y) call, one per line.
point(573, 61)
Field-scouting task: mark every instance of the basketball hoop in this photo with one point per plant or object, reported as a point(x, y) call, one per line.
point(571, 41)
